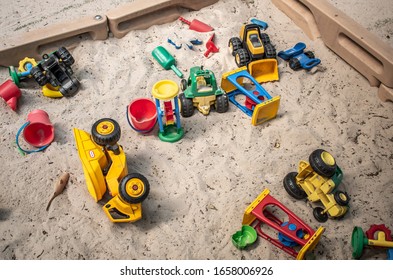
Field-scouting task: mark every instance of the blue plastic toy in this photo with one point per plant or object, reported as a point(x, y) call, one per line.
point(261, 23)
point(299, 59)
point(259, 105)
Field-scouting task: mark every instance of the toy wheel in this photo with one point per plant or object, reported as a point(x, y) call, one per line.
point(294, 64)
point(134, 188)
point(265, 39)
point(186, 106)
point(319, 215)
point(241, 57)
point(270, 51)
point(106, 132)
point(222, 103)
point(183, 84)
point(341, 198)
point(234, 44)
point(292, 188)
point(65, 56)
point(323, 163)
point(39, 76)
point(310, 54)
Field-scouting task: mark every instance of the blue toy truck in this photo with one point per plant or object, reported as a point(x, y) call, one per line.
point(299, 59)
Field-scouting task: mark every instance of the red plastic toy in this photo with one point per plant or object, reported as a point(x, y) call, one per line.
point(291, 233)
point(210, 46)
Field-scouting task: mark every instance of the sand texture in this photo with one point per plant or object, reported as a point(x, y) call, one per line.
point(200, 185)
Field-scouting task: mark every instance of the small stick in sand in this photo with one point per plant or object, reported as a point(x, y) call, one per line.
point(59, 187)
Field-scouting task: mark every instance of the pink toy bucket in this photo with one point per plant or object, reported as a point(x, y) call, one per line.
point(10, 93)
point(142, 115)
point(39, 131)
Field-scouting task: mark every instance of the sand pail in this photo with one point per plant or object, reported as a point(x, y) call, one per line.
point(142, 115)
point(10, 92)
point(38, 131)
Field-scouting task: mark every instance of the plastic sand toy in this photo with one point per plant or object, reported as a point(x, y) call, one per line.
point(168, 116)
point(105, 168)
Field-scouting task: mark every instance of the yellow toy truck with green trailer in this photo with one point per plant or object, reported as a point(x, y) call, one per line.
point(317, 180)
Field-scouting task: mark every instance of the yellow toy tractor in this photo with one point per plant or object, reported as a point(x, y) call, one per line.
point(254, 50)
point(105, 167)
point(317, 180)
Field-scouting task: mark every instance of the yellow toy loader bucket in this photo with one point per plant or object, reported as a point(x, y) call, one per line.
point(264, 70)
point(93, 159)
point(265, 111)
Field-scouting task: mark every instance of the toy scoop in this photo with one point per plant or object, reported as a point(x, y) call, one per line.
point(197, 25)
point(244, 237)
point(210, 46)
point(166, 60)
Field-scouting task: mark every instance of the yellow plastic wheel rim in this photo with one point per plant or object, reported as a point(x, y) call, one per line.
point(105, 128)
point(343, 197)
point(135, 187)
point(327, 158)
point(237, 58)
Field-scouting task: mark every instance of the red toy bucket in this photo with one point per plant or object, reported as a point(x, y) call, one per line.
point(10, 93)
point(143, 115)
point(39, 131)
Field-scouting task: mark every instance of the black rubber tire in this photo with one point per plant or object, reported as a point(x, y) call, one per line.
point(270, 51)
point(123, 191)
point(222, 103)
point(39, 76)
point(186, 106)
point(341, 201)
point(234, 44)
point(265, 39)
point(319, 166)
point(242, 57)
point(317, 212)
point(309, 54)
point(106, 139)
point(292, 188)
point(294, 64)
point(183, 84)
point(65, 56)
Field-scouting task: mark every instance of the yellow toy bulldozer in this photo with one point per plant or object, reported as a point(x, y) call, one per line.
point(105, 167)
point(254, 50)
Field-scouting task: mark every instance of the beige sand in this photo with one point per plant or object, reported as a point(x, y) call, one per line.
point(201, 185)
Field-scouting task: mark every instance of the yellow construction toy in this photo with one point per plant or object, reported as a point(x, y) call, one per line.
point(105, 167)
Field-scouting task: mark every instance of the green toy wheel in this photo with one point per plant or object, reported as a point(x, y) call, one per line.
point(358, 241)
point(319, 215)
point(323, 163)
point(134, 188)
point(106, 132)
point(183, 84)
point(292, 188)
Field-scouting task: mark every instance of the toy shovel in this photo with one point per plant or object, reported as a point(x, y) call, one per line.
point(166, 60)
point(197, 25)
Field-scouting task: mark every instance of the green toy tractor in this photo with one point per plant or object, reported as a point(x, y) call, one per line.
point(200, 90)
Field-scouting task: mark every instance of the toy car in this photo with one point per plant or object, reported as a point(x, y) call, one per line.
point(299, 59)
point(105, 167)
point(55, 69)
point(200, 90)
point(254, 50)
point(317, 181)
